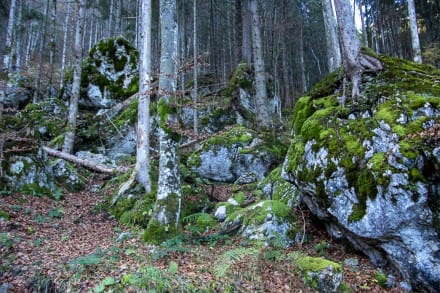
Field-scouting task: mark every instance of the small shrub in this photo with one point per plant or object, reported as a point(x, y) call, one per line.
point(381, 279)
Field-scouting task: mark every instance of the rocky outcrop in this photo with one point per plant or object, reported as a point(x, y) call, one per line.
point(109, 73)
point(267, 221)
point(370, 171)
point(66, 175)
point(230, 155)
point(29, 174)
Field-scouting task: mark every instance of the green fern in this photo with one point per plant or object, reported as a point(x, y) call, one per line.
point(194, 217)
point(231, 257)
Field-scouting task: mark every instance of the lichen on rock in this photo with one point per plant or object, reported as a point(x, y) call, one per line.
point(227, 156)
point(369, 170)
point(109, 73)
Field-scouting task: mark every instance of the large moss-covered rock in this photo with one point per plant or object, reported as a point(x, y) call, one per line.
point(371, 170)
point(228, 156)
point(30, 174)
point(109, 73)
point(67, 175)
point(263, 221)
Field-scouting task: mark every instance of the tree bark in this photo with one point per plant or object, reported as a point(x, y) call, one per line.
point(195, 89)
point(63, 55)
point(238, 20)
point(332, 40)
point(110, 19)
point(95, 166)
point(40, 53)
point(52, 45)
point(261, 101)
point(69, 136)
point(19, 37)
point(4, 77)
point(354, 62)
point(143, 126)
point(166, 214)
point(246, 45)
point(350, 43)
point(417, 53)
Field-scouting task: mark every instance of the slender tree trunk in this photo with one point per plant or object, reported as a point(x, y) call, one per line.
point(137, 23)
point(19, 37)
point(63, 54)
point(261, 101)
point(182, 36)
point(302, 64)
point(332, 40)
point(110, 19)
point(30, 40)
point(195, 89)
point(69, 136)
point(4, 77)
point(40, 53)
point(166, 214)
point(215, 55)
point(52, 44)
point(91, 18)
point(350, 43)
point(354, 61)
point(119, 18)
point(143, 126)
point(417, 53)
point(246, 45)
point(238, 30)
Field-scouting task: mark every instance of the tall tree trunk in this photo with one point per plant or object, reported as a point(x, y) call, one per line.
point(52, 44)
point(63, 54)
point(215, 55)
point(166, 214)
point(351, 44)
point(354, 61)
point(302, 64)
point(261, 101)
point(119, 18)
point(195, 89)
point(40, 53)
point(238, 19)
point(417, 53)
point(143, 126)
point(331, 34)
point(69, 136)
point(19, 37)
point(4, 76)
point(246, 45)
point(110, 19)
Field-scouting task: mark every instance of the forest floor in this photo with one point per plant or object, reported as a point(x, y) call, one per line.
point(71, 245)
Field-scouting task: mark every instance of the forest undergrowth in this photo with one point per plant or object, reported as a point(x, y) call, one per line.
point(72, 245)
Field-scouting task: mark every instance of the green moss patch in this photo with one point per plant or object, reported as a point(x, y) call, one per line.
point(257, 213)
point(394, 97)
point(111, 50)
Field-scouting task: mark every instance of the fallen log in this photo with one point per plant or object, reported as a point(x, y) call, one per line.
point(95, 166)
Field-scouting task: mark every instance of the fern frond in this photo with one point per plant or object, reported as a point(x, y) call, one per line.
point(230, 257)
point(194, 217)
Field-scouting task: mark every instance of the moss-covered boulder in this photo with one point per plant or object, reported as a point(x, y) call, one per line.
point(321, 274)
point(229, 155)
point(67, 175)
point(266, 221)
point(30, 174)
point(109, 73)
point(370, 170)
